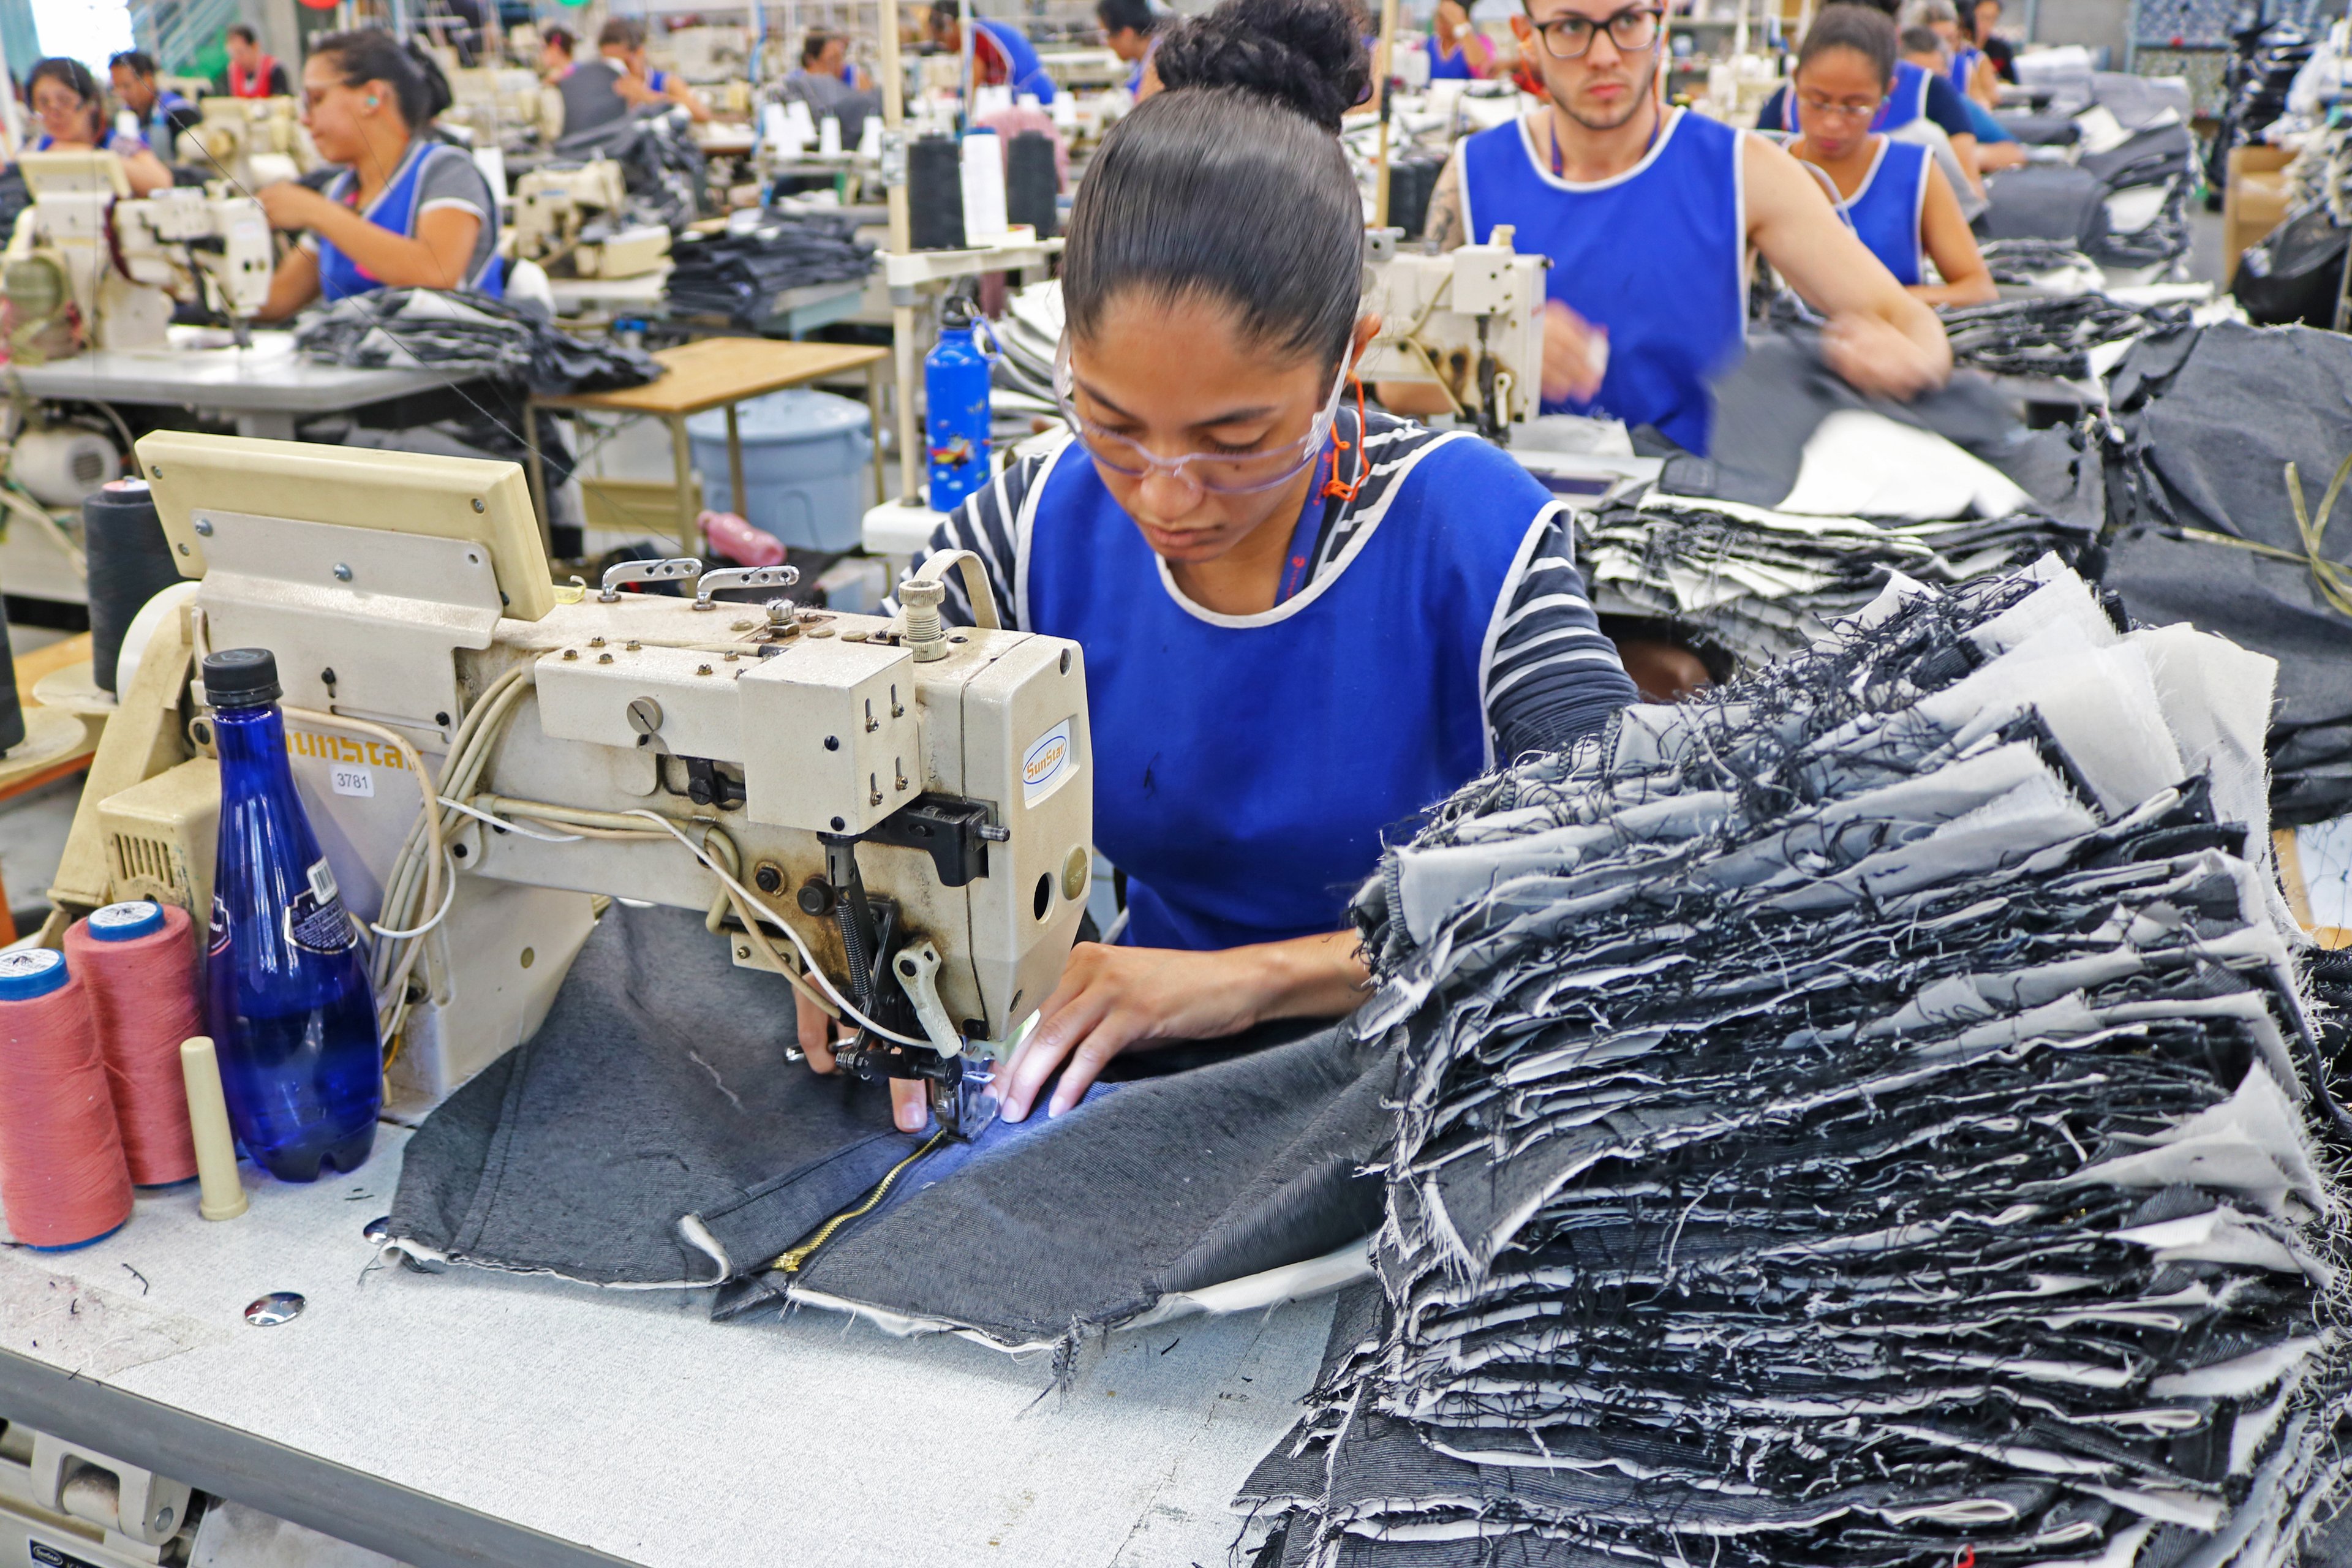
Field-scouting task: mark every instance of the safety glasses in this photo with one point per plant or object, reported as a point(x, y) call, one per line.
point(1222, 473)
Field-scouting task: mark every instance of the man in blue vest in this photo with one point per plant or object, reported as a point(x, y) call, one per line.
point(1648, 213)
point(1001, 57)
point(163, 114)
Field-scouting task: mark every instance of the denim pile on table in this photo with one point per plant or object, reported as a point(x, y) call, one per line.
point(1862, 1119)
point(402, 328)
point(2020, 262)
point(738, 274)
point(2069, 339)
point(2122, 197)
point(1748, 585)
point(2204, 523)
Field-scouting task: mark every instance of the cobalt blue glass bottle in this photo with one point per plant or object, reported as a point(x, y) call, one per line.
point(292, 1016)
point(955, 397)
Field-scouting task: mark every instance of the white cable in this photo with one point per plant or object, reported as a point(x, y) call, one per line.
point(512, 827)
point(446, 900)
point(751, 901)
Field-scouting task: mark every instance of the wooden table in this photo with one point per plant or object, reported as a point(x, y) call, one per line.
point(715, 373)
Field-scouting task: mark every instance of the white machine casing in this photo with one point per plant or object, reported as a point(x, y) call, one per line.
point(394, 588)
point(553, 208)
point(119, 262)
point(249, 142)
point(1444, 317)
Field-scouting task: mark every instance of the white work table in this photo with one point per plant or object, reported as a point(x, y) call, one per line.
point(263, 388)
point(468, 1418)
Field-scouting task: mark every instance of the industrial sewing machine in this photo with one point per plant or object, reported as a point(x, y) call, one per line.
point(571, 214)
point(89, 266)
point(908, 803)
point(249, 142)
point(1471, 321)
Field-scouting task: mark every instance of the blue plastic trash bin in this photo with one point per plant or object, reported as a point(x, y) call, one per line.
point(805, 462)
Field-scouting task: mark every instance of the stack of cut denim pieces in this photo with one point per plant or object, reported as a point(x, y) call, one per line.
point(739, 273)
point(1751, 585)
point(2071, 339)
point(1863, 1119)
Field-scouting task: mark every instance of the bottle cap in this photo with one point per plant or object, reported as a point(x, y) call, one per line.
point(241, 677)
point(31, 972)
point(126, 922)
point(956, 315)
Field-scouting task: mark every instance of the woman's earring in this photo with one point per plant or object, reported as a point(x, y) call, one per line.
point(372, 102)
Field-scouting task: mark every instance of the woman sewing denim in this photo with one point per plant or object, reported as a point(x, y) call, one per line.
point(407, 211)
point(67, 99)
point(1301, 627)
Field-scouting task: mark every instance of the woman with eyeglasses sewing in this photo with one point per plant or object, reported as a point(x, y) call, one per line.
point(409, 211)
point(1648, 213)
point(71, 107)
point(1301, 625)
point(1890, 193)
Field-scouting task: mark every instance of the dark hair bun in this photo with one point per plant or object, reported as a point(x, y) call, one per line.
point(1305, 55)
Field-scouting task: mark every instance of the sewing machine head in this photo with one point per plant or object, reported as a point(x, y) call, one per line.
point(1469, 319)
point(571, 216)
point(88, 266)
point(911, 811)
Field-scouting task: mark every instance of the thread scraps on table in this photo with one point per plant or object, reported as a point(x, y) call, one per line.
point(139, 963)
point(63, 1179)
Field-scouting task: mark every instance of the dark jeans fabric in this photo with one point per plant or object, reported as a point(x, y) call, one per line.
point(1811, 1127)
point(658, 1088)
point(2211, 419)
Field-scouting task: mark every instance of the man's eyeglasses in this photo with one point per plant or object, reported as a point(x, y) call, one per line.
point(1823, 106)
point(1632, 30)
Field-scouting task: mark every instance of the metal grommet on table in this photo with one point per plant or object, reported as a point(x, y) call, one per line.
point(277, 1307)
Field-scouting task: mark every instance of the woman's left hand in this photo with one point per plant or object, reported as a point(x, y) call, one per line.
point(290, 205)
point(1114, 999)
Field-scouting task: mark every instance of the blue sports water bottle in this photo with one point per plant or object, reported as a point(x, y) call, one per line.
point(955, 394)
point(292, 1016)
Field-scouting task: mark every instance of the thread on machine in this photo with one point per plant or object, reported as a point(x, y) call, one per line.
point(63, 1179)
point(139, 963)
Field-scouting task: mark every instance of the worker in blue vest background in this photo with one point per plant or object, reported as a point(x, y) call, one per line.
point(1891, 193)
point(1302, 626)
point(1131, 28)
point(1919, 92)
point(407, 211)
point(1648, 213)
point(163, 111)
point(71, 107)
point(1001, 56)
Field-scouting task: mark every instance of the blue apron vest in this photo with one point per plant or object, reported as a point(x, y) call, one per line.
point(1658, 256)
point(340, 277)
point(1245, 767)
point(1885, 212)
point(1964, 66)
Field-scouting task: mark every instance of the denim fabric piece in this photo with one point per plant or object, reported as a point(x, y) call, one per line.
point(1871, 1117)
point(658, 1087)
point(653, 1133)
point(2211, 418)
point(1169, 1185)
